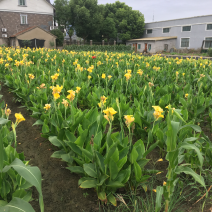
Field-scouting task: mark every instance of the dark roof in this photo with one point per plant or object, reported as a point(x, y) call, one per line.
point(28, 29)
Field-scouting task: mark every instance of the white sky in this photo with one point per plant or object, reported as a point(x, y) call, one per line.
point(167, 9)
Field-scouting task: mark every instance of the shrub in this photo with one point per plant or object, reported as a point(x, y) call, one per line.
point(210, 52)
point(60, 36)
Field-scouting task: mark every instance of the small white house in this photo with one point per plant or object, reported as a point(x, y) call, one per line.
point(154, 44)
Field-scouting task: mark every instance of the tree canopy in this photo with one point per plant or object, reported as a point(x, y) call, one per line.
point(93, 21)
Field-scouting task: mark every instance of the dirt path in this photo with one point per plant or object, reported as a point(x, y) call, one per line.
point(59, 186)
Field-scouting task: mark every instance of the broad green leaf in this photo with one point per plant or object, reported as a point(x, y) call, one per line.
point(89, 168)
point(189, 171)
point(55, 141)
point(159, 194)
point(110, 153)
point(115, 184)
point(102, 179)
point(102, 196)
point(133, 155)
point(45, 128)
point(3, 121)
point(153, 146)
point(121, 163)
point(58, 154)
point(38, 122)
point(192, 146)
point(98, 139)
point(76, 169)
point(30, 174)
point(113, 169)
point(2, 203)
point(70, 136)
point(89, 184)
point(179, 116)
point(137, 170)
point(195, 127)
point(17, 205)
point(112, 199)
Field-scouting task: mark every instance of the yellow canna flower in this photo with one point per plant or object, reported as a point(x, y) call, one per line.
point(47, 106)
point(89, 77)
point(109, 77)
point(151, 84)
point(127, 75)
point(65, 103)
point(154, 190)
point(109, 112)
point(164, 183)
point(78, 89)
point(129, 119)
point(19, 118)
point(159, 160)
point(186, 95)
point(7, 112)
point(140, 72)
point(56, 96)
point(71, 95)
point(183, 74)
point(158, 109)
point(31, 76)
point(103, 76)
point(129, 71)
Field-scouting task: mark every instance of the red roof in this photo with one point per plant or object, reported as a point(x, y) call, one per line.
point(28, 29)
point(23, 31)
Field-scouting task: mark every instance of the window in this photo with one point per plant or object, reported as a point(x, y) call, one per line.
point(209, 26)
point(139, 46)
point(165, 47)
point(149, 47)
point(208, 42)
point(166, 30)
point(186, 28)
point(23, 19)
point(149, 31)
point(22, 2)
point(185, 42)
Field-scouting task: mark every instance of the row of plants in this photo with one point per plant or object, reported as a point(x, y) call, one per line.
point(102, 48)
point(16, 176)
point(107, 111)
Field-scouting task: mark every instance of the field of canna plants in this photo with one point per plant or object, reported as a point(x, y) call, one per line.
point(107, 113)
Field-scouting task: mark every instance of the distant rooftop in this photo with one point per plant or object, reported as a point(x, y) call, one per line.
point(178, 19)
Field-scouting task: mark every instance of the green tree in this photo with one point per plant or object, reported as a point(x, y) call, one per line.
point(108, 29)
point(62, 13)
point(129, 23)
point(86, 17)
point(60, 37)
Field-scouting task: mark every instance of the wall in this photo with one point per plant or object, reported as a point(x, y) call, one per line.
point(32, 6)
point(4, 41)
point(197, 34)
point(39, 34)
point(12, 21)
point(153, 48)
point(160, 45)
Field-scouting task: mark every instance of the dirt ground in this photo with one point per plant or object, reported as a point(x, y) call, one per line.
point(59, 185)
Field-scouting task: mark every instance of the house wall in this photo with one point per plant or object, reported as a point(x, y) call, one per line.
point(153, 47)
point(12, 22)
point(197, 34)
point(3, 41)
point(32, 6)
point(161, 44)
point(38, 34)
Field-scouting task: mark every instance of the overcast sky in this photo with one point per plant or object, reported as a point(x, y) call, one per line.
point(167, 9)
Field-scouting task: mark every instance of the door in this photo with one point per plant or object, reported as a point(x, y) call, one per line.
point(135, 46)
point(145, 47)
